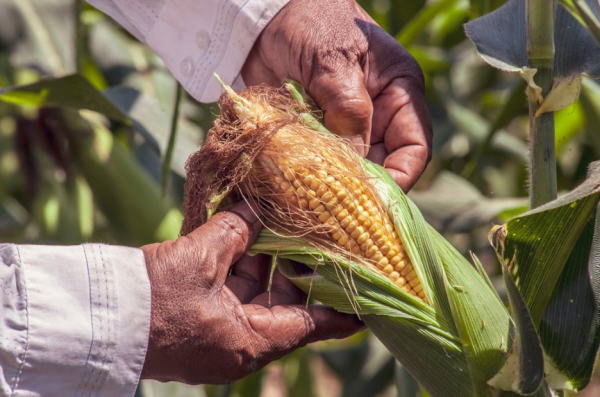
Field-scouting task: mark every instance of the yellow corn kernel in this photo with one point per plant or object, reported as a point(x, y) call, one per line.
point(352, 219)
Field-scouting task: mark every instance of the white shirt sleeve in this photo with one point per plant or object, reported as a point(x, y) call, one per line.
point(196, 38)
point(74, 320)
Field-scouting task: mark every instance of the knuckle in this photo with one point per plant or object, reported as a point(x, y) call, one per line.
point(307, 331)
point(231, 227)
point(358, 109)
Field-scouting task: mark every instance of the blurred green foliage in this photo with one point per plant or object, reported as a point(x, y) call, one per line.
point(87, 166)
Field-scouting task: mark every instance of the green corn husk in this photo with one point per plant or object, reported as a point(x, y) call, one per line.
point(453, 345)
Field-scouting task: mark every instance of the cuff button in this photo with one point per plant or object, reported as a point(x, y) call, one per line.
point(187, 67)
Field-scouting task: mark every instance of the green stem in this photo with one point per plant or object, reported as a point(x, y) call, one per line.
point(166, 168)
point(80, 40)
point(540, 53)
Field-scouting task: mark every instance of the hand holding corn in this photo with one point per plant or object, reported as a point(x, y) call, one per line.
point(207, 327)
point(367, 85)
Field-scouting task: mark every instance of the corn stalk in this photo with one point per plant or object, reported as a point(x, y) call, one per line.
point(540, 55)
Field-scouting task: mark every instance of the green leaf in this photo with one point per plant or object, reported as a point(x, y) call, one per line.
point(512, 106)
point(590, 102)
point(570, 328)
point(526, 359)
point(36, 31)
point(168, 157)
point(365, 368)
point(477, 129)
point(425, 353)
point(567, 123)
point(556, 269)
point(501, 39)
point(151, 120)
point(73, 92)
point(127, 196)
point(589, 12)
point(483, 323)
point(298, 376)
point(250, 386)
point(405, 325)
point(453, 204)
point(541, 241)
point(420, 22)
point(482, 7)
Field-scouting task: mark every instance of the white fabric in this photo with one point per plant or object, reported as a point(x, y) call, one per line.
point(196, 38)
point(74, 320)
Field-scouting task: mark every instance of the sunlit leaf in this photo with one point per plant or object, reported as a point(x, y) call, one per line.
point(420, 22)
point(72, 91)
point(567, 123)
point(590, 102)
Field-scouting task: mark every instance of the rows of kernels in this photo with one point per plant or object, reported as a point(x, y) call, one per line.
point(352, 220)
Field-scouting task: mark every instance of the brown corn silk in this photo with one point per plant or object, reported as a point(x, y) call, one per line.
point(306, 183)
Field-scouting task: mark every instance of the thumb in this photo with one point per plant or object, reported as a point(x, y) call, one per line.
point(347, 107)
point(225, 237)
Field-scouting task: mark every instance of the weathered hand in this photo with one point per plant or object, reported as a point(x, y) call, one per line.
point(207, 327)
point(368, 86)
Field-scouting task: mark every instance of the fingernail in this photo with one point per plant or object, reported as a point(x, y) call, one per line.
point(244, 210)
point(359, 144)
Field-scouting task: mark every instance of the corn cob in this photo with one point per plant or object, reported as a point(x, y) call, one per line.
point(308, 184)
point(349, 213)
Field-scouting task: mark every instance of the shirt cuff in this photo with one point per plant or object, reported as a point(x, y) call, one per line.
point(88, 319)
point(198, 38)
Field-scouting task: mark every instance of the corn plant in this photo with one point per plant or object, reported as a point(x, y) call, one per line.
point(550, 253)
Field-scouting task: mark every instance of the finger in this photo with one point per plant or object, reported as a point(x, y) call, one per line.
point(377, 153)
point(401, 120)
point(282, 292)
point(223, 239)
point(288, 327)
point(249, 277)
point(341, 94)
point(403, 116)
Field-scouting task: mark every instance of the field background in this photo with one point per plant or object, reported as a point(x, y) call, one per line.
point(68, 177)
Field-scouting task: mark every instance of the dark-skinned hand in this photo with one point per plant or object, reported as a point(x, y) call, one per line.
point(208, 327)
point(368, 86)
